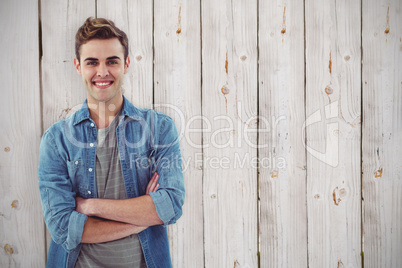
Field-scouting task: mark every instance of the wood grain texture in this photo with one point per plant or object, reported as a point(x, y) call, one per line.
point(62, 88)
point(282, 179)
point(135, 19)
point(22, 235)
point(382, 132)
point(177, 83)
point(310, 209)
point(229, 104)
point(333, 130)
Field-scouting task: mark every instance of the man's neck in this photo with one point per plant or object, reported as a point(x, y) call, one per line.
point(103, 113)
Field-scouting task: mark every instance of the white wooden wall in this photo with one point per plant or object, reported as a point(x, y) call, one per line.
point(313, 89)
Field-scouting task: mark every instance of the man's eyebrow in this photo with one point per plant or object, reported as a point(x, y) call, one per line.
point(108, 58)
point(90, 59)
point(113, 58)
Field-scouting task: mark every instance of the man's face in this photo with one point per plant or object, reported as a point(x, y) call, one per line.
point(102, 69)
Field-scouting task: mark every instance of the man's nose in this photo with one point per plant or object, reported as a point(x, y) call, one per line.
point(102, 70)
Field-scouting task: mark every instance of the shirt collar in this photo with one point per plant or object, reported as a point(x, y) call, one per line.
point(128, 110)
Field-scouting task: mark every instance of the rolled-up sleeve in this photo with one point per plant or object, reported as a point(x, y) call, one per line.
point(169, 197)
point(57, 196)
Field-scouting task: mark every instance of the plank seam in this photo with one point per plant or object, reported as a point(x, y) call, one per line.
point(361, 136)
point(202, 144)
point(41, 100)
point(305, 116)
point(258, 136)
point(153, 55)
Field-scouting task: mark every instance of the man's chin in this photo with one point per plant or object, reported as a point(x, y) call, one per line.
point(102, 100)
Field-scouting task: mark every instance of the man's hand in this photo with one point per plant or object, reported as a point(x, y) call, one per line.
point(152, 186)
point(82, 206)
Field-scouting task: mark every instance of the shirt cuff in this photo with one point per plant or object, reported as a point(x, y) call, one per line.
point(164, 206)
point(75, 229)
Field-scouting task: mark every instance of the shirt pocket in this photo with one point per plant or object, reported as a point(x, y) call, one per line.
point(76, 172)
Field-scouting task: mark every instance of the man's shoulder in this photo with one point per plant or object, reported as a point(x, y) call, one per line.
point(147, 114)
point(150, 113)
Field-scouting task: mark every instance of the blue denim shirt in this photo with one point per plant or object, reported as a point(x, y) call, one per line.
point(148, 142)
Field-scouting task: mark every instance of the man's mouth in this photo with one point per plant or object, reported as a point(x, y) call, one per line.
point(103, 84)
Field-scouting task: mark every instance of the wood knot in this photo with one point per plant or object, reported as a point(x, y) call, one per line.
point(386, 31)
point(338, 195)
point(335, 132)
point(7, 149)
point(274, 174)
point(225, 90)
point(213, 196)
point(178, 31)
point(14, 204)
point(283, 31)
point(329, 90)
point(236, 264)
point(243, 58)
point(8, 249)
point(347, 57)
point(138, 58)
point(378, 173)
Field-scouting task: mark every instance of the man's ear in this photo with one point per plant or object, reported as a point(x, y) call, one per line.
point(126, 65)
point(77, 66)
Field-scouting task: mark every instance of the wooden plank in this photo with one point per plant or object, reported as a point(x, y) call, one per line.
point(22, 238)
point(282, 179)
point(177, 82)
point(229, 104)
point(62, 88)
point(382, 132)
point(135, 19)
point(333, 132)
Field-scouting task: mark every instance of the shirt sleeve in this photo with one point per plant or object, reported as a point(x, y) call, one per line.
point(169, 197)
point(57, 196)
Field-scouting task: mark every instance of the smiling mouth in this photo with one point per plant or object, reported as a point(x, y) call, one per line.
point(102, 84)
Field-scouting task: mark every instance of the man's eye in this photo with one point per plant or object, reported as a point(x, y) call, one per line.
point(91, 63)
point(112, 62)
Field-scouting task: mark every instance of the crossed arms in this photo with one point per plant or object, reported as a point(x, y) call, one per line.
point(71, 220)
point(114, 219)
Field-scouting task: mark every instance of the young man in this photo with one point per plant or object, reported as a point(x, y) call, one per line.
point(110, 174)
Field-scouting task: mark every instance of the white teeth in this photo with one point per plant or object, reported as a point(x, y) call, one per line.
point(102, 84)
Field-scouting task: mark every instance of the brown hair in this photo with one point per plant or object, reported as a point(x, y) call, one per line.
point(99, 28)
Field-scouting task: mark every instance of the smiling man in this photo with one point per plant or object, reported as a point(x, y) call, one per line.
point(110, 174)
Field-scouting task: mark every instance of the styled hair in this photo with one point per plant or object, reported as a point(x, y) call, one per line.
point(99, 28)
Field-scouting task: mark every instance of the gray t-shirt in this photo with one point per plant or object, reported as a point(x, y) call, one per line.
point(125, 252)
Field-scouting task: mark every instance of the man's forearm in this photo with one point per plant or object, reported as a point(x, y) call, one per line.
point(140, 211)
point(99, 230)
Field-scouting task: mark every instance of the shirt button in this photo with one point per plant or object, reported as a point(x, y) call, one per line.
point(91, 144)
point(89, 192)
point(90, 169)
point(76, 162)
point(92, 124)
